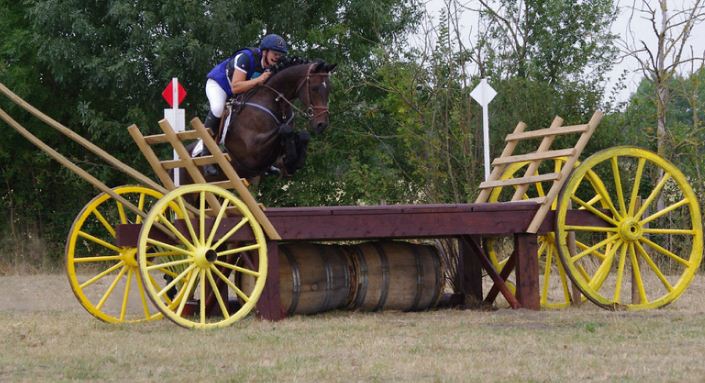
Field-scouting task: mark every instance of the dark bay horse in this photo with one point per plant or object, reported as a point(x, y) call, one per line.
point(261, 128)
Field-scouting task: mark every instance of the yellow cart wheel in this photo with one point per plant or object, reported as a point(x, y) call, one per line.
point(104, 276)
point(644, 248)
point(210, 270)
point(555, 291)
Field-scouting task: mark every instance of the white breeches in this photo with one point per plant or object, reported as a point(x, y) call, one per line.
point(216, 97)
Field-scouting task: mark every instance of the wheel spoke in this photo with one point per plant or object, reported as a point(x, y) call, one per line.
point(590, 249)
point(143, 298)
point(214, 286)
point(605, 197)
point(104, 222)
point(230, 232)
point(635, 188)
point(176, 280)
point(654, 267)
point(239, 250)
point(186, 292)
point(637, 275)
point(564, 282)
point(101, 275)
point(595, 253)
point(121, 212)
point(618, 185)
point(98, 241)
point(591, 209)
point(165, 253)
point(100, 258)
point(166, 271)
point(669, 231)
point(546, 277)
point(665, 211)
point(665, 252)
point(654, 193)
point(140, 207)
point(238, 269)
point(216, 223)
point(110, 289)
point(156, 286)
point(601, 229)
point(187, 219)
point(126, 294)
point(202, 305)
point(620, 273)
point(176, 231)
point(239, 292)
point(601, 274)
point(168, 246)
point(168, 264)
point(202, 218)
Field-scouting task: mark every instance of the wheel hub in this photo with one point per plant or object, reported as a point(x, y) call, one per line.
point(204, 257)
point(630, 229)
point(129, 256)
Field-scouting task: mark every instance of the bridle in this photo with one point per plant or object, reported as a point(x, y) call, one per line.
point(313, 111)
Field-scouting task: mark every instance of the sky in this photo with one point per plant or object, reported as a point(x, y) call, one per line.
point(638, 27)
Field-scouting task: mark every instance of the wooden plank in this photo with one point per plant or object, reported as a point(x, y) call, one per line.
point(527, 271)
point(162, 138)
point(534, 156)
point(498, 170)
point(562, 130)
point(520, 181)
point(198, 161)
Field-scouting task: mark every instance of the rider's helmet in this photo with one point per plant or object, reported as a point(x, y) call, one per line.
point(275, 43)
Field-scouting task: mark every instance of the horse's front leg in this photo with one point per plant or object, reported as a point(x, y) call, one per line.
point(296, 147)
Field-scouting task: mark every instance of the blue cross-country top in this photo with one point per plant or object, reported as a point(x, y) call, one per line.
point(248, 60)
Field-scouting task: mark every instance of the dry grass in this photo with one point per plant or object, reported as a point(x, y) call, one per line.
point(46, 336)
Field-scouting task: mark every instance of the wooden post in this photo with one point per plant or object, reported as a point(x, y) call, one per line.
point(470, 275)
point(269, 303)
point(527, 270)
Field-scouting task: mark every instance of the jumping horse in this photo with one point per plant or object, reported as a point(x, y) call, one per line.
point(261, 131)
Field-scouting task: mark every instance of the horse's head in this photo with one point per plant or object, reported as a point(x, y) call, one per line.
point(313, 92)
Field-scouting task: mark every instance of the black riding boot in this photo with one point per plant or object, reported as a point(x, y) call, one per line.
point(213, 123)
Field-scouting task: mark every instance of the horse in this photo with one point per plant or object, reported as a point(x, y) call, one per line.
point(261, 131)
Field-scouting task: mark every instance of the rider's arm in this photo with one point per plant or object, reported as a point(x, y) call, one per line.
point(240, 83)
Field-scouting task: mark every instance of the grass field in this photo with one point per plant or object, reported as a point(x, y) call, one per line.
point(45, 335)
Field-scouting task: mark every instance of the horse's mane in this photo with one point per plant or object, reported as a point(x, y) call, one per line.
point(290, 61)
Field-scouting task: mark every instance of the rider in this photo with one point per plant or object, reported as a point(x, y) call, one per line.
point(246, 69)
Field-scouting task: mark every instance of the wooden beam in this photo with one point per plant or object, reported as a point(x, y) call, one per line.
point(561, 130)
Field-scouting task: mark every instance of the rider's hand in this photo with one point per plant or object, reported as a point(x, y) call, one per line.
point(263, 77)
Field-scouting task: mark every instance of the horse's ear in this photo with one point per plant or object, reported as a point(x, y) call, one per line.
point(330, 68)
point(320, 67)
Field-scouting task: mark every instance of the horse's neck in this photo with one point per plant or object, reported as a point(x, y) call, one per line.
point(286, 82)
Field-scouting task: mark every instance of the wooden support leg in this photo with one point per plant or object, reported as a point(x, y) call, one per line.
point(470, 274)
point(527, 270)
point(269, 304)
point(504, 274)
point(487, 265)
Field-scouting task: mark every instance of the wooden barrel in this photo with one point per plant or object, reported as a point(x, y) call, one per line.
point(395, 275)
point(313, 278)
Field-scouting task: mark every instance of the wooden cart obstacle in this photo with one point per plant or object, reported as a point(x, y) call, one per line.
point(184, 250)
